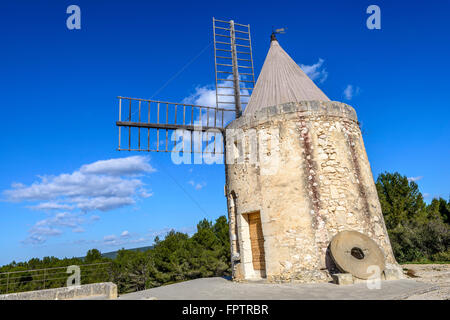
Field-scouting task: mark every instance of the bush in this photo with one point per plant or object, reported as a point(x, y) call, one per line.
point(418, 232)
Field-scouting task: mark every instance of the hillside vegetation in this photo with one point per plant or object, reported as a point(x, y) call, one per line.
point(418, 233)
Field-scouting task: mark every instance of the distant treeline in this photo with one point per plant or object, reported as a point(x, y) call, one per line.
point(176, 258)
point(418, 233)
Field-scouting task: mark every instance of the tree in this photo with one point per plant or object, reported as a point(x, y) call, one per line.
point(440, 209)
point(417, 232)
point(93, 256)
point(400, 199)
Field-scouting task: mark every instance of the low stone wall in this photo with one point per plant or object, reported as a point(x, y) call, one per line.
point(104, 289)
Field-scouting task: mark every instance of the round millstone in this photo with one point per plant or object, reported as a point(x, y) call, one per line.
point(356, 253)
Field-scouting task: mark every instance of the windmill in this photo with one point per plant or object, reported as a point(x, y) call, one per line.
point(302, 203)
point(157, 126)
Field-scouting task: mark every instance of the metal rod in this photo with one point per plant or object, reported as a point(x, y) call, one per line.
point(139, 129)
point(120, 117)
point(243, 39)
point(153, 150)
point(221, 20)
point(176, 107)
point(54, 268)
point(251, 55)
point(222, 35)
point(207, 124)
point(222, 28)
point(129, 129)
point(217, 49)
point(157, 139)
point(157, 116)
point(221, 42)
point(149, 106)
point(241, 25)
point(164, 102)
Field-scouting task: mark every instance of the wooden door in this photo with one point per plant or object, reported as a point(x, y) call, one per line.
point(257, 241)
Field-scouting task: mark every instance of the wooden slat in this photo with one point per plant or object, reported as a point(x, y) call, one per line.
point(257, 241)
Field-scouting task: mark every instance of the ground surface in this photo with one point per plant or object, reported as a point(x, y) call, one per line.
point(222, 289)
point(435, 274)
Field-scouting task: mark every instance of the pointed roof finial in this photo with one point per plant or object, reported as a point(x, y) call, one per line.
point(273, 36)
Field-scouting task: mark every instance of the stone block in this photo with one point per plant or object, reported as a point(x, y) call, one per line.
point(83, 291)
point(64, 293)
point(112, 290)
point(392, 274)
point(342, 278)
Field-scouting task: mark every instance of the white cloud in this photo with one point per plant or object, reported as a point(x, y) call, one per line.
point(51, 206)
point(114, 240)
point(62, 219)
point(350, 92)
point(164, 231)
point(415, 178)
point(118, 167)
point(131, 238)
point(43, 229)
point(78, 230)
point(206, 96)
point(197, 185)
point(103, 203)
point(39, 234)
point(103, 185)
point(94, 186)
point(316, 71)
point(203, 96)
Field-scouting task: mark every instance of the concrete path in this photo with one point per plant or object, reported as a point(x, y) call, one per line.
point(223, 289)
point(435, 274)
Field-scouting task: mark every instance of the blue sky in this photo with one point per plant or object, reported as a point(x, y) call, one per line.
point(59, 107)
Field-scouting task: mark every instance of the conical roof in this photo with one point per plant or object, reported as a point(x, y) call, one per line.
point(281, 80)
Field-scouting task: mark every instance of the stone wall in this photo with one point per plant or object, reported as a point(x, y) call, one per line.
point(107, 290)
point(304, 167)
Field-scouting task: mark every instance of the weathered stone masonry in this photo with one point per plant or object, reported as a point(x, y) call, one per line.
point(311, 179)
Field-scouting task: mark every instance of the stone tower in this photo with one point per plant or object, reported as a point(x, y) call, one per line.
point(297, 174)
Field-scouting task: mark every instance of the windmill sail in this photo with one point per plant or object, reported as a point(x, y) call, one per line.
point(159, 126)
